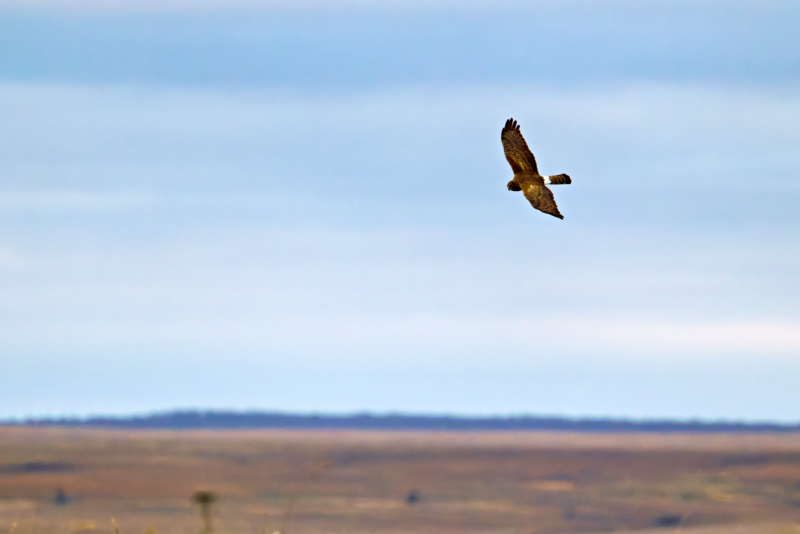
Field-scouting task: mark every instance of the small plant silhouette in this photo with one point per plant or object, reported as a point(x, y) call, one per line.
point(316, 472)
point(205, 499)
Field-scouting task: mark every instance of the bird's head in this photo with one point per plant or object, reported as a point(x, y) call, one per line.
point(513, 186)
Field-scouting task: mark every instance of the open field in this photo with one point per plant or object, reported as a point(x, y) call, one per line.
point(359, 482)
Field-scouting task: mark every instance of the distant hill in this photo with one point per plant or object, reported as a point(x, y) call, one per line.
point(251, 420)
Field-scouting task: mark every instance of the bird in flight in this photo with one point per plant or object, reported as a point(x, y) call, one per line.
point(526, 175)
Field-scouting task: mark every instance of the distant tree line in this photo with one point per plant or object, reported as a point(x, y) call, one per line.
point(189, 419)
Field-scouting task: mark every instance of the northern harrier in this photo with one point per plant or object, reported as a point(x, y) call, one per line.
point(526, 175)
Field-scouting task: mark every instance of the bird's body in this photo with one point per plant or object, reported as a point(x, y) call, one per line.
point(526, 174)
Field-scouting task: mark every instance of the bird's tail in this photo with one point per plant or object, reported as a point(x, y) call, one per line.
point(558, 179)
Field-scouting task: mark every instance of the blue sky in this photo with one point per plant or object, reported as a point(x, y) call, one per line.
point(302, 206)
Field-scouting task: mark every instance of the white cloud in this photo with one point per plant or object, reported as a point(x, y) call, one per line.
point(261, 5)
point(74, 200)
point(591, 6)
point(141, 224)
point(406, 295)
point(738, 130)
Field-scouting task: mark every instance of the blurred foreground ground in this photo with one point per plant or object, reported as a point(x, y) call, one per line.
point(355, 481)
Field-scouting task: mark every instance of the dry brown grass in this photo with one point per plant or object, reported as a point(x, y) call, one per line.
point(310, 482)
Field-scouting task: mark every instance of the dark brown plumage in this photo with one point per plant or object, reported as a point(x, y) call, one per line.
point(526, 174)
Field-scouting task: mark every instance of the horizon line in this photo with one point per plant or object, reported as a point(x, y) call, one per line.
point(222, 419)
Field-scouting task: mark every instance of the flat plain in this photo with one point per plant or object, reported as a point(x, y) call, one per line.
point(63, 480)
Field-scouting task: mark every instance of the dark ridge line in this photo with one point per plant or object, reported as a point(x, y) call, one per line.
point(229, 420)
point(35, 467)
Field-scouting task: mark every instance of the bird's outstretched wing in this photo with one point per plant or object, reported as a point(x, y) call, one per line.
point(542, 199)
point(518, 154)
